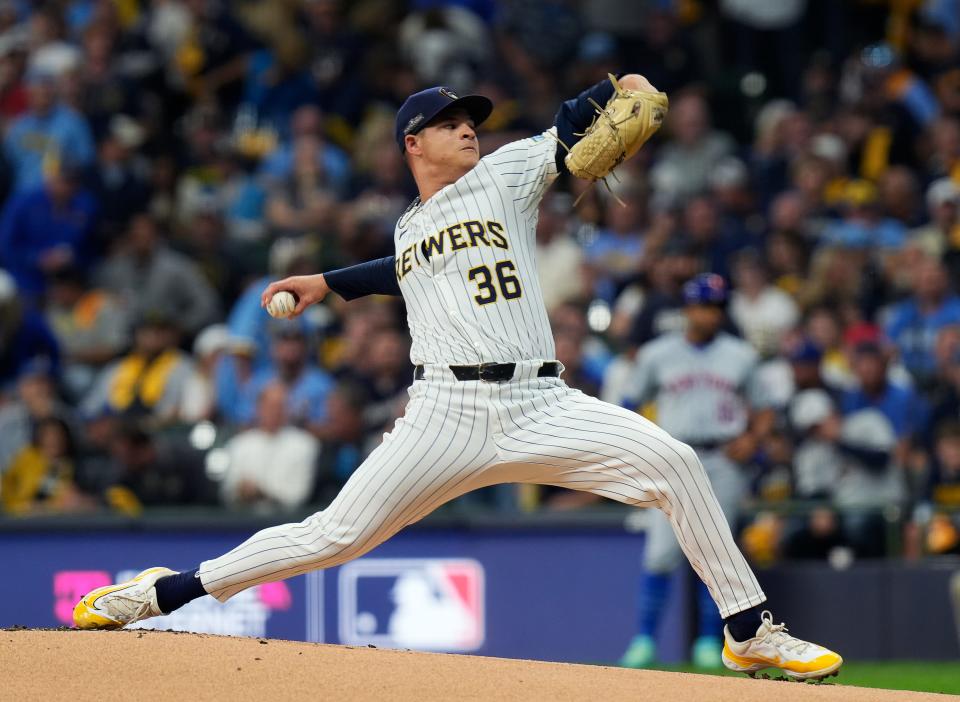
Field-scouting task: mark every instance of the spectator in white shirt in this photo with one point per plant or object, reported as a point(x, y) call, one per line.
point(273, 464)
point(762, 311)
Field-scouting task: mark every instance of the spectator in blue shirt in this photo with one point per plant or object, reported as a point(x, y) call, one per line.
point(47, 228)
point(277, 82)
point(48, 131)
point(863, 224)
point(615, 253)
point(248, 320)
point(25, 338)
point(915, 323)
point(233, 375)
point(903, 406)
point(306, 384)
point(307, 123)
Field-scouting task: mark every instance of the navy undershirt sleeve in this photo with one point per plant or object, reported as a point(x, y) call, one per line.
point(377, 277)
point(576, 115)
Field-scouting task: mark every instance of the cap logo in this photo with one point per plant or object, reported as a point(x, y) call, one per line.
point(414, 121)
point(449, 94)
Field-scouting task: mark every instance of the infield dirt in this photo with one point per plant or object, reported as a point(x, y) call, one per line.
point(152, 665)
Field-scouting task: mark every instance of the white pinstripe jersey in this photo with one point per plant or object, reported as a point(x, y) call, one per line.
point(466, 265)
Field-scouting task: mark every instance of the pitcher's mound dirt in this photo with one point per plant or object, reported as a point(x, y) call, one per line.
point(149, 665)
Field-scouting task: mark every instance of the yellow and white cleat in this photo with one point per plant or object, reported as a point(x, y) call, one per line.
point(115, 606)
point(773, 647)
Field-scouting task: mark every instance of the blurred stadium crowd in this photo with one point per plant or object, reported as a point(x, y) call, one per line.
point(163, 160)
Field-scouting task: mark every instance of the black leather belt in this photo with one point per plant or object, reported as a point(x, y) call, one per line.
point(494, 372)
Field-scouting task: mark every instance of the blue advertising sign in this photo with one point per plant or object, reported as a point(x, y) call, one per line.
point(567, 596)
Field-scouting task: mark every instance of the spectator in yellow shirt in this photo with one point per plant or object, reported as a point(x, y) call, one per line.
point(41, 475)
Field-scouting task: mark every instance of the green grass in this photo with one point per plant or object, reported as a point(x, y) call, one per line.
point(921, 676)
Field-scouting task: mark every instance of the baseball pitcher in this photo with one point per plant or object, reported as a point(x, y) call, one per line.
point(487, 404)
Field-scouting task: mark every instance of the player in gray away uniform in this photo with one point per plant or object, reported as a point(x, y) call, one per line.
point(487, 405)
point(703, 384)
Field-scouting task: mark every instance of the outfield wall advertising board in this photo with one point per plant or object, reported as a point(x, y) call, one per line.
point(568, 597)
point(565, 595)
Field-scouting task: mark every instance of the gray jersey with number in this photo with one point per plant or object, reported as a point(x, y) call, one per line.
point(465, 262)
point(702, 393)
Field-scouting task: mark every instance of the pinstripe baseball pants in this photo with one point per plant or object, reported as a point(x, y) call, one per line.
point(459, 436)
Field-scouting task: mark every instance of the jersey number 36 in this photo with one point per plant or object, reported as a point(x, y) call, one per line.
point(508, 283)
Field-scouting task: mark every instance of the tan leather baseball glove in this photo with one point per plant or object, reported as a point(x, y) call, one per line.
point(628, 120)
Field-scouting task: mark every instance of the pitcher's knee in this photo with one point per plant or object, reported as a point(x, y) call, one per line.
point(687, 459)
point(330, 539)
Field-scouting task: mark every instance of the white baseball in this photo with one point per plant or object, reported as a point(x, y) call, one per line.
point(282, 304)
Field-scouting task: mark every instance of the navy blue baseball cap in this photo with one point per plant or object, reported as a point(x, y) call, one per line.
point(705, 289)
point(806, 352)
point(418, 109)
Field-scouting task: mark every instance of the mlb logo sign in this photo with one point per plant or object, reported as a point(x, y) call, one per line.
point(424, 604)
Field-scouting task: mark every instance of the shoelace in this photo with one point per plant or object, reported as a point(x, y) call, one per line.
point(132, 608)
point(777, 633)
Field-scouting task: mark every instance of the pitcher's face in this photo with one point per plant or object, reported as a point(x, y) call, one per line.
point(448, 141)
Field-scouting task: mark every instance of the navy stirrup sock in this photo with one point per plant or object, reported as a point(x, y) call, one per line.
point(174, 591)
point(743, 625)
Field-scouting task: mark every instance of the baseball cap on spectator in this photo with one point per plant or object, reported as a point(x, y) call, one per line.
point(286, 252)
point(862, 333)
point(38, 366)
point(859, 193)
point(868, 348)
point(55, 58)
point(829, 147)
point(730, 172)
point(14, 40)
point(771, 115)
point(206, 204)
point(39, 74)
point(941, 192)
point(705, 289)
point(420, 108)
point(127, 131)
point(214, 338)
point(943, 14)
point(805, 352)
point(809, 408)
point(240, 345)
point(868, 429)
